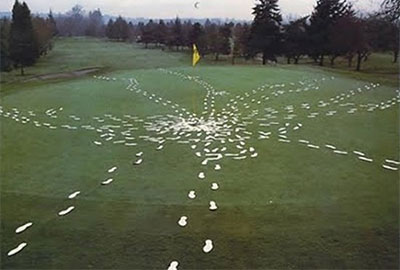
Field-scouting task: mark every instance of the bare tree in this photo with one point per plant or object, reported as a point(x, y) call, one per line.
point(392, 8)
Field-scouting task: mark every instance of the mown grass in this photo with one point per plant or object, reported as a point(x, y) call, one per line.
point(71, 54)
point(292, 207)
point(378, 68)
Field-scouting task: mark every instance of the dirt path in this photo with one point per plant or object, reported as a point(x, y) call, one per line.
point(65, 75)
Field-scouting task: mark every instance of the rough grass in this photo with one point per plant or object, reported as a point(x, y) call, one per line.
point(292, 207)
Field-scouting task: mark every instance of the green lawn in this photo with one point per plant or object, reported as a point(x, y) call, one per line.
point(292, 206)
point(78, 53)
point(378, 67)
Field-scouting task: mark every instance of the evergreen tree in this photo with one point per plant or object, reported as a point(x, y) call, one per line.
point(197, 37)
point(323, 18)
point(177, 33)
point(23, 46)
point(5, 63)
point(140, 28)
point(160, 32)
point(120, 29)
point(109, 29)
point(149, 33)
point(296, 40)
point(186, 30)
point(265, 34)
point(195, 33)
point(132, 32)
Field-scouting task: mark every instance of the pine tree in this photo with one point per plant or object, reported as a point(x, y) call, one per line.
point(23, 47)
point(196, 36)
point(109, 29)
point(120, 29)
point(265, 34)
point(176, 33)
point(296, 41)
point(160, 33)
point(186, 29)
point(323, 18)
point(5, 63)
point(149, 33)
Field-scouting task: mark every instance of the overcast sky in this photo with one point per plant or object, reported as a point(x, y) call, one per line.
point(238, 9)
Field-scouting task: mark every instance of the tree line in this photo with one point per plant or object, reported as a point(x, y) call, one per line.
point(24, 38)
point(332, 30)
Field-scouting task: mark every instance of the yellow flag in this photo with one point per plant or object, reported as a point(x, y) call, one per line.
point(196, 55)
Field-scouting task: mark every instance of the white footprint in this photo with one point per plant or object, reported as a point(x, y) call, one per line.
point(73, 195)
point(389, 168)
point(113, 169)
point(202, 175)
point(214, 186)
point(192, 194)
point(17, 249)
point(182, 221)
point(365, 159)
point(358, 153)
point(213, 206)
point(22, 228)
point(161, 146)
point(107, 182)
point(395, 162)
point(330, 146)
point(66, 211)
point(138, 162)
point(208, 246)
point(139, 154)
point(340, 152)
point(173, 265)
point(217, 167)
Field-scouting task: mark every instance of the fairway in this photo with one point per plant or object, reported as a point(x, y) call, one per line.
point(150, 161)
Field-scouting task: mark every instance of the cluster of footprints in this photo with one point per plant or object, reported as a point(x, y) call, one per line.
point(212, 136)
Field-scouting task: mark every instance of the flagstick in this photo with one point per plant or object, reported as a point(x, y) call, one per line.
point(195, 59)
